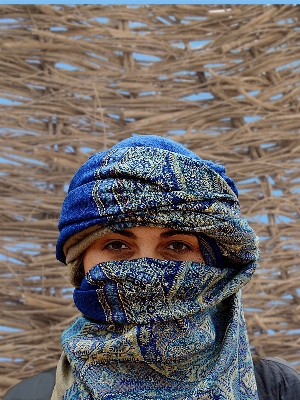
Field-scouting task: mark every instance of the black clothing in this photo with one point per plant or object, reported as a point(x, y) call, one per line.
point(37, 387)
point(276, 380)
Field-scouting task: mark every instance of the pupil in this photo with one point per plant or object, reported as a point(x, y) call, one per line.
point(178, 245)
point(117, 245)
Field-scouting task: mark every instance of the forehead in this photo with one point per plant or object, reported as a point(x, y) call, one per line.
point(152, 231)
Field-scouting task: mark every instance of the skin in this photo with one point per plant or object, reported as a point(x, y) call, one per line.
point(142, 241)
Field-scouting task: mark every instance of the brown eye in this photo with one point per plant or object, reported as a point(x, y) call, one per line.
point(178, 247)
point(116, 246)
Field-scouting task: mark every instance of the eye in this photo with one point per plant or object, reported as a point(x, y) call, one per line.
point(178, 247)
point(116, 245)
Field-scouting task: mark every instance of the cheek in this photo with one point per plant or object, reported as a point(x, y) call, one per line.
point(91, 258)
point(199, 258)
point(195, 256)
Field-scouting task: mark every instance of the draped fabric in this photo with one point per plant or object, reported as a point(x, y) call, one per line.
point(160, 329)
point(157, 329)
point(138, 185)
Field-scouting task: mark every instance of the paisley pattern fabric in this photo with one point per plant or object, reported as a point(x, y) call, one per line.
point(145, 186)
point(160, 329)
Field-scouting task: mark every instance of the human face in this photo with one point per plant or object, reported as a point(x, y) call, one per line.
point(143, 241)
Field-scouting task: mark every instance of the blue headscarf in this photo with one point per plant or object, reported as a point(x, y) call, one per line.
point(140, 180)
point(159, 329)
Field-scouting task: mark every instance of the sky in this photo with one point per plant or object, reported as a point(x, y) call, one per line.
point(152, 2)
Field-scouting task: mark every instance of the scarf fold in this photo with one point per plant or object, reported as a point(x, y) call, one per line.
point(156, 329)
point(160, 329)
point(145, 186)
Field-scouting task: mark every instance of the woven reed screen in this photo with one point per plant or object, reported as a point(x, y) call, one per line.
point(223, 80)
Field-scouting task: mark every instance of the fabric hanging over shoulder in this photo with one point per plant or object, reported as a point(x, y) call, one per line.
point(157, 329)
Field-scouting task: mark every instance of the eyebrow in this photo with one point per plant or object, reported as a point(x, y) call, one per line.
point(127, 234)
point(163, 235)
point(175, 232)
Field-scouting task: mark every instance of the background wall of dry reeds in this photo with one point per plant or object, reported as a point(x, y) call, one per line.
point(224, 80)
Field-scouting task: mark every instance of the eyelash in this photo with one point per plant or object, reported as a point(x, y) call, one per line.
point(106, 247)
point(186, 246)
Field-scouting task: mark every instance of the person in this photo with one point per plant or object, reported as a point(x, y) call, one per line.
point(158, 253)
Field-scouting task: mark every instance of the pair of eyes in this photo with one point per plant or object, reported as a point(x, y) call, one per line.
point(175, 246)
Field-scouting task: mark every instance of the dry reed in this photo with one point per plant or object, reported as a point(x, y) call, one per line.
point(134, 70)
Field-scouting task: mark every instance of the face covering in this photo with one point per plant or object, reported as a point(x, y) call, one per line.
point(156, 329)
point(160, 329)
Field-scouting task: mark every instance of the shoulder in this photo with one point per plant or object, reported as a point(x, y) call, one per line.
point(39, 386)
point(276, 379)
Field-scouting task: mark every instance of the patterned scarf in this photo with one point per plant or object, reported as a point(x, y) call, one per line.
point(158, 329)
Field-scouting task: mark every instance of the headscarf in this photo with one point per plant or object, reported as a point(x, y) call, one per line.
point(156, 329)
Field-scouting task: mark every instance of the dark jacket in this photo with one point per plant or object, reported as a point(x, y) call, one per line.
point(276, 380)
